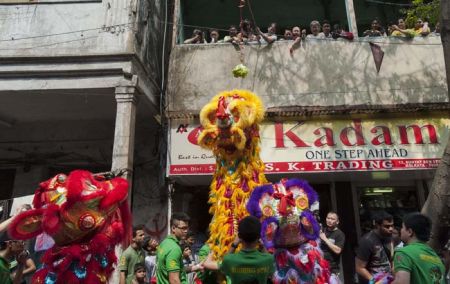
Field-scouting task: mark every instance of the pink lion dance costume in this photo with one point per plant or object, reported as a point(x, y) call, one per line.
point(87, 217)
point(290, 231)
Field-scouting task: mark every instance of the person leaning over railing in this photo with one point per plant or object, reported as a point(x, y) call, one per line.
point(421, 28)
point(375, 30)
point(197, 38)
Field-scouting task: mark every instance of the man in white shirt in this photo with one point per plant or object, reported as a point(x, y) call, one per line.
point(270, 36)
point(315, 31)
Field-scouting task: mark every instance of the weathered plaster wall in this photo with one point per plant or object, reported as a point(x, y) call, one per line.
point(66, 29)
point(320, 73)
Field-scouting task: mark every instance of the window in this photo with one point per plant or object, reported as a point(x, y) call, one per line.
point(397, 201)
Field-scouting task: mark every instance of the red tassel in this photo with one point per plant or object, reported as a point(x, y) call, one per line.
point(127, 221)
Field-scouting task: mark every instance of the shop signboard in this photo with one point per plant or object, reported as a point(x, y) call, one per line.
point(325, 146)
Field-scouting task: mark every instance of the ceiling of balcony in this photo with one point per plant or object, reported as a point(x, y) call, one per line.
point(24, 107)
point(29, 107)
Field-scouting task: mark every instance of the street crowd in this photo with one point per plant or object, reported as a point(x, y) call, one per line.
point(402, 253)
point(183, 257)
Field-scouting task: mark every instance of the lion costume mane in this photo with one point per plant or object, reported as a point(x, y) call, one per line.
point(230, 129)
point(230, 124)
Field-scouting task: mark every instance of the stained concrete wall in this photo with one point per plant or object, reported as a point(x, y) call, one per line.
point(319, 73)
point(67, 28)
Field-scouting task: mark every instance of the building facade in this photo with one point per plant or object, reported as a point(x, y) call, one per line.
point(366, 140)
point(80, 87)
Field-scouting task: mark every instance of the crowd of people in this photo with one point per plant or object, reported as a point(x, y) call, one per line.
point(179, 258)
point(246, 32)
point(406, 257)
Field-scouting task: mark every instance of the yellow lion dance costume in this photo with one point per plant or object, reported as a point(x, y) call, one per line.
point(230, 129)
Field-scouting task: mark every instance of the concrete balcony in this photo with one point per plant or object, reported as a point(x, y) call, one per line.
point(319, 73)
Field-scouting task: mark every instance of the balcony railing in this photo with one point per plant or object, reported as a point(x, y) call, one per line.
point(318, 73)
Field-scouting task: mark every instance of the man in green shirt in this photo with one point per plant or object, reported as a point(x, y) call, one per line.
point(12, 249)
point(248, 265)
point(417, 263)
point(169, 257)
point(133, 255)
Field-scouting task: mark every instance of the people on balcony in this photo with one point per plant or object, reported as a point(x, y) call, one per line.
point(270, 36)
point(296, 37)
point(315, 31)
point(214, 35)
point(375, 31)
point(326, 29)
point(400, 29)
point(287, 35)
point(248, 33)
point(437, 30)
point(296, 33)
point(197, 38)
point(232, 36)
point(421, 28)
point(304, 34)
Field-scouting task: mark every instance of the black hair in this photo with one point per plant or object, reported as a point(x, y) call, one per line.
point(325, 22)
point(146, 241)
point(185, 246)
point(178, 216)
point(249, 229)
point(419, 224)
point(139, 266)
point(333, 212)
point(3, 245)
point(382, 216)
point(136, 228)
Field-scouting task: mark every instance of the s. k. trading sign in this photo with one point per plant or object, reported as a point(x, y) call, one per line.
point(325, 146)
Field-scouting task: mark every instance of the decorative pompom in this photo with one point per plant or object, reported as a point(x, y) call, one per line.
point(240, 71)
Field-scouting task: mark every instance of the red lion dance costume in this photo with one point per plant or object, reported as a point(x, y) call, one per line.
point(87, 217)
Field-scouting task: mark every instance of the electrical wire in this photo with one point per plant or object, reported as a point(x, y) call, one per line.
point(64, 33)
point(50, 44)
point(390, 3)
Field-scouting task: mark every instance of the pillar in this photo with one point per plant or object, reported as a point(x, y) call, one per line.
point(351, 17)
point(123, 148)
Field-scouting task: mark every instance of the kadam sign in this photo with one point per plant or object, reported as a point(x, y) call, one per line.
point(325, 146)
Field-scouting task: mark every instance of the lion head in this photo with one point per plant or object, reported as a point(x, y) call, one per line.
point(72, 208)
point(230, 122)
